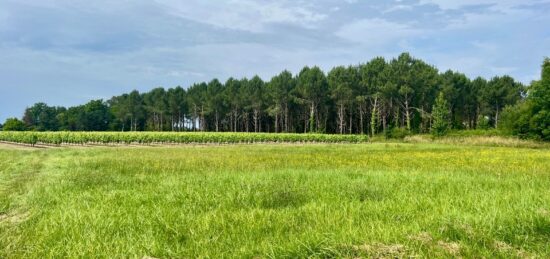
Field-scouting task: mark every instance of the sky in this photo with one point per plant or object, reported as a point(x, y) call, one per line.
point(67, 52)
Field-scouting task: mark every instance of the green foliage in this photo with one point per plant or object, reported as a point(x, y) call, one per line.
point(457, 89)
point(312, 122)
point(312, 89)
point(57, 138)
point(483, 122)
point(42, 117)
point(341, 81)
point(281, 93)
point(515, 119)
point(531, 118)
point(358, 99)
point(14, 124)
point(499, 93)
point(397, 133)
point(440, 116)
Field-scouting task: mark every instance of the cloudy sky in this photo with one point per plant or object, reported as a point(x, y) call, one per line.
point(66, 52)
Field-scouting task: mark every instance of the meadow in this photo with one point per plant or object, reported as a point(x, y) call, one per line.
point(417, 198)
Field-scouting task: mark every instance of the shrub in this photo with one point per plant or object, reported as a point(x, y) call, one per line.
point(397, 133)
point(14, 124)
point(483, 122)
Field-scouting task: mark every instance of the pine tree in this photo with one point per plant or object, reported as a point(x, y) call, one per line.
point(440, 115)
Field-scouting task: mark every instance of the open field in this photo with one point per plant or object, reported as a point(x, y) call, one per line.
point(271, 200)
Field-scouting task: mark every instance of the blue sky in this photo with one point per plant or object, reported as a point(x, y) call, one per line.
point(66, 52)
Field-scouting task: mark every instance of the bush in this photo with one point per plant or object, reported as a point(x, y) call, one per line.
point(531, 118)
point(483, 122)
point(14, 124)
point(397, 133)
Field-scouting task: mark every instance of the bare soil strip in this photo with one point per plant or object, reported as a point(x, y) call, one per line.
point(9, 145)
point(14, 145)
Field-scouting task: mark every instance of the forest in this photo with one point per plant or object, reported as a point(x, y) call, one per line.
point(370, 98)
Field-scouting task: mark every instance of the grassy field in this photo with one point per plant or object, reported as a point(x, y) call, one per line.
point(275, 200)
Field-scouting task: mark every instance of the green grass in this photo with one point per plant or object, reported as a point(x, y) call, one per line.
point(317, 200)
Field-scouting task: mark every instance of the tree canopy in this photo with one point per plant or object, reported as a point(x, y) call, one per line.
point(13, 124)
point(440, 116)
point(367, 98)
point(531, 117)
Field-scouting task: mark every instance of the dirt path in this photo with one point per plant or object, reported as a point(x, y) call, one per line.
point(9, 145)
point(5, 145)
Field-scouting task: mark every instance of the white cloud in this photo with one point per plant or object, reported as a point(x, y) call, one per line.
point(493, 19)
point(500, 70)
point(398, 7)
point(247, 15)
point(470, 65)
point(81, 5)
point(486, 46)
point(377, 31)
point(244, 15)
point(499, 4)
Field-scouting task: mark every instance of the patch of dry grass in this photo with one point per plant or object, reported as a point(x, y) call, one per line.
point(452, 248)
point(495, 141)
point(378, 250)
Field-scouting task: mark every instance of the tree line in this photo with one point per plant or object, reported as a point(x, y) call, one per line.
point(377, 96)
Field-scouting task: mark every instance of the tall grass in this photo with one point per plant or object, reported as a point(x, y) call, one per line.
point(376, 200)
point(478, 140)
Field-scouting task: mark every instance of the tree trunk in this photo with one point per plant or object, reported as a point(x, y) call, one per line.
point(286, 118)
point(259, 121)
point(246, 123)
point(195, 117)
point(408, 115)
point(399, 118)
point(232, 121)
point(374, 117)
point(312, 118)
point(317, 119)
point(350, 121)
point(384, 122)
point(477, 115)
point(202, 119)
point(496, 119)
point(423, 116)
point(236, 120)
point(306, 121)
point(277, 122)
point(217, 121)
point(361, 115)
point(255, 118)
point(341, 119)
